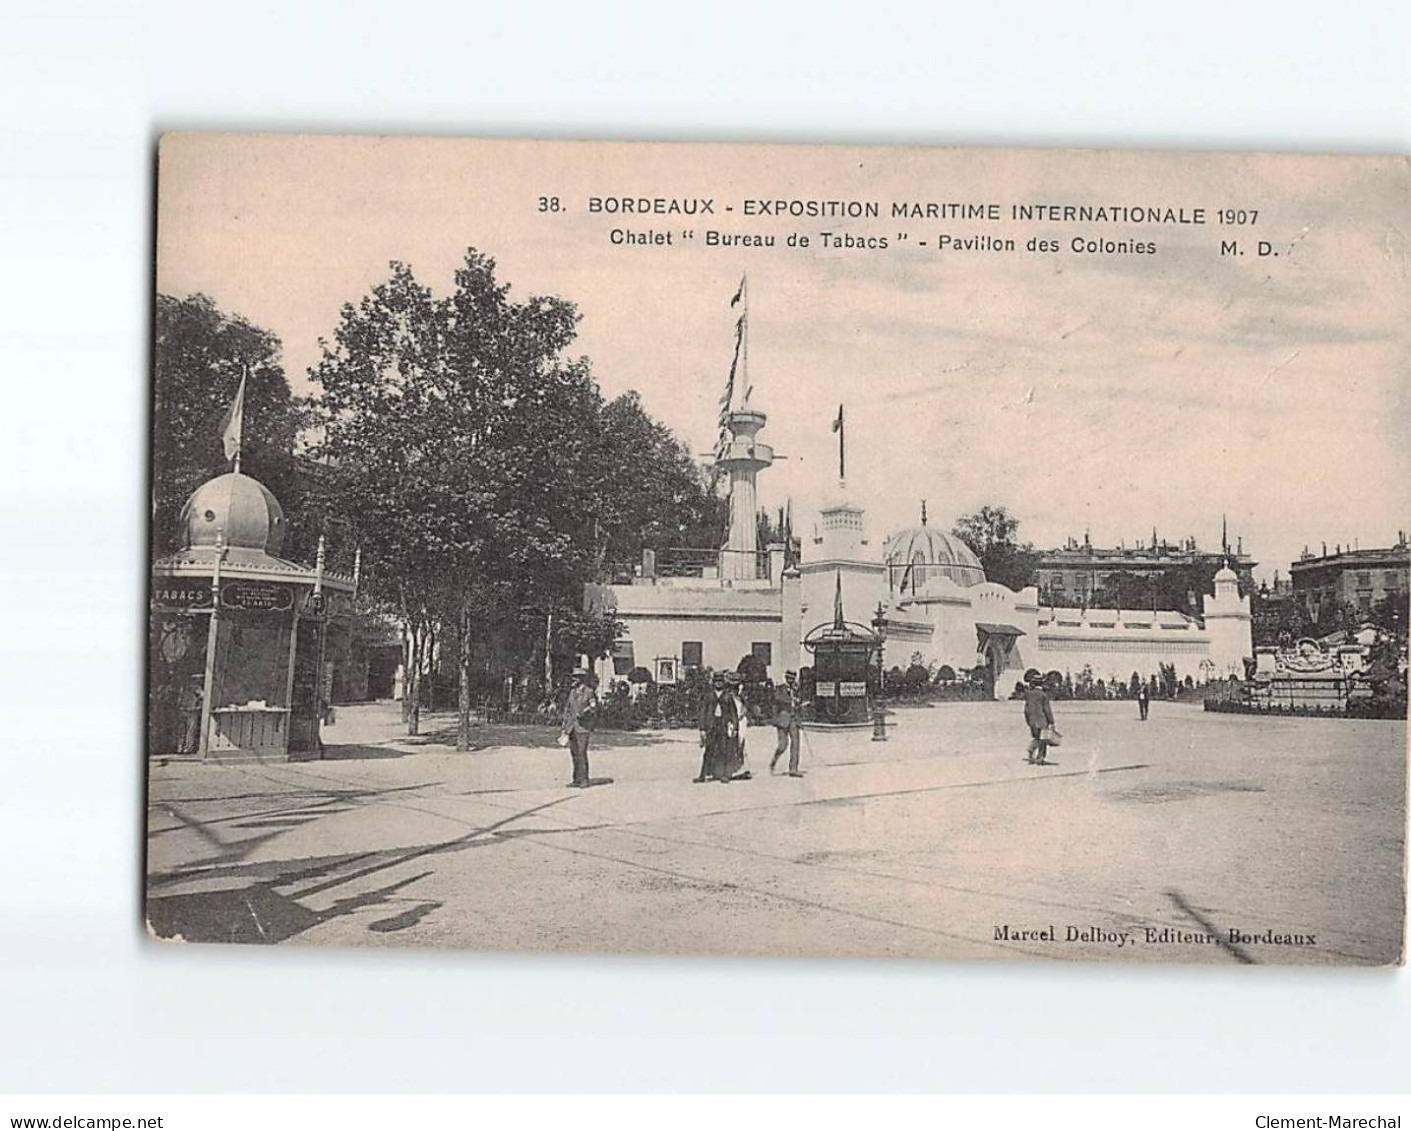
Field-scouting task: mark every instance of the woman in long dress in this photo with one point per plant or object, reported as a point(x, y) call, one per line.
point(734, 767)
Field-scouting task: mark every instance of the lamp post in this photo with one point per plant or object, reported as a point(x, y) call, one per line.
point(879, 718)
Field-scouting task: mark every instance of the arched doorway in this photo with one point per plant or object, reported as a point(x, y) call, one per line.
point(995, 663)
point(996, 649)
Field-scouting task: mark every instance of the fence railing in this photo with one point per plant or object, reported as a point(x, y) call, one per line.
point(752, 565)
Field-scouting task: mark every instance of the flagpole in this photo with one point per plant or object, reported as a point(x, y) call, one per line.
point(843, 459)
point(745, 339)
point(240, 428)
point(232, 432)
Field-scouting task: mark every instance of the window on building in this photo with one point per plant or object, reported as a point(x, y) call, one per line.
point(763, 652)
point(1391, 579)
point(1364, 578)
point(1364, 603)
point(692, 654)
point(622, 662)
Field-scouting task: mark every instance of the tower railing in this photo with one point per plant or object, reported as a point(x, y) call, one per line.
point(688, 562)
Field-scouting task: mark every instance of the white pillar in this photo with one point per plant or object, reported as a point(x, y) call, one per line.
point(744, 457)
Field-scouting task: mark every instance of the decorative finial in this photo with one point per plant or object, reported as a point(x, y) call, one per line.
point(923, 512)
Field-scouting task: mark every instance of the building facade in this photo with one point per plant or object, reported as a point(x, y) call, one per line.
point(1352, 579)
point(927, 591)
point(1072, 574)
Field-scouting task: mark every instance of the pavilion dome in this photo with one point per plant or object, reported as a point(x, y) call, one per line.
point(931, 553)
point(241, 509)
point(1225, 573)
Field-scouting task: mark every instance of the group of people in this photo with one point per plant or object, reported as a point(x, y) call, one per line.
point(724, 725)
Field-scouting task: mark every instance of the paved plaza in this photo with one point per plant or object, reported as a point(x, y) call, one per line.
point(1146, 842)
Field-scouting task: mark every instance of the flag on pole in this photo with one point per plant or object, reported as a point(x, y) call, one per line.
point(838, 428)
point(233, 424)
point(727, 399)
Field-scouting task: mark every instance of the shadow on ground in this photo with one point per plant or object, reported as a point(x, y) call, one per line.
point(488, 736)
point(356, 751)
point(259, 913)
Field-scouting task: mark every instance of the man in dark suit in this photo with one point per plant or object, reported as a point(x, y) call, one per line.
point(1038, 713)
point(578, 724)
point(720, 730)
point(786, 722)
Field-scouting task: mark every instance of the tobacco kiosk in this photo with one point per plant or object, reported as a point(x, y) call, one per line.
point(843, 658)
point(238, 635)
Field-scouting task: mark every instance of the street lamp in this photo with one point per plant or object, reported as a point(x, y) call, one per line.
point(879, 719)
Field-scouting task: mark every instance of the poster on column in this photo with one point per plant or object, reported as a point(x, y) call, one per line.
point(615, 468)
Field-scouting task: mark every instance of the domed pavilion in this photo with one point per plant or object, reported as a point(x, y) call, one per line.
point(238, 633)
point(919, 553)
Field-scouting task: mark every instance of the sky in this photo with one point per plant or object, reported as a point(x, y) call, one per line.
point(1108, 393)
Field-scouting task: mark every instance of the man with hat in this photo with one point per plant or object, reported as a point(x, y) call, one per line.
point(786, 722)
point(1038, 714)
point(578, 724)
point(720, 729)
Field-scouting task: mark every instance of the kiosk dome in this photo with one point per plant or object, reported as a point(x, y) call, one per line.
point(237, 508)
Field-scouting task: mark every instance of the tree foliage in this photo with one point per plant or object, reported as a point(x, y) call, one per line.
point(659, 497)
point(482, 474)
point(992, 533)
point(199, 354)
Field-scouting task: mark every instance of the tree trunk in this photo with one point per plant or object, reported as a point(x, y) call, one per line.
point(549, 656)
point(407, 661)
point(430, 651)
point(463, 731)
point(408, 656)
point(414, 682)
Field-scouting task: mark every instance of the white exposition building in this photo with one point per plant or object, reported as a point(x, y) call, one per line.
point(934, 599)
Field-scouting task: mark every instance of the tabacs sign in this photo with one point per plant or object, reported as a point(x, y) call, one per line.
point(179, 594)
point(256, 596)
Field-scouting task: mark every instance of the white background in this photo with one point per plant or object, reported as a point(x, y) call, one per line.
point(87, 1004)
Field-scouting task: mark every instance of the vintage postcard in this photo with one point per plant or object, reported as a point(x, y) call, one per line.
point(779, 550)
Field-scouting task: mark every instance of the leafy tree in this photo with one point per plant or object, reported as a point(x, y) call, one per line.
point(916, 679)
point(659, 497)
point(199, 355)
point(992, 533)
point(476, 465)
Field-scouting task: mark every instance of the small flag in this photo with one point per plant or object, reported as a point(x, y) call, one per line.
point(740, 292)
point(838, 423)
point(232, 427)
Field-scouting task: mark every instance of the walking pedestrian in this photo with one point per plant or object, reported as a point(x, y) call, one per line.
point(1143, 701)
point(720, 726)
point(735, 751)
point(578, 719)
point(1038, 713)
point(786, 723)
